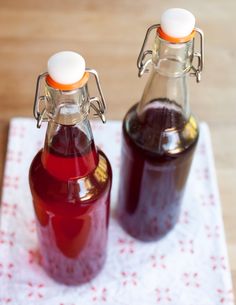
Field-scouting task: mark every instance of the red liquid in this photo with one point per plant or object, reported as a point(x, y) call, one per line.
point(70, 183)
point(157, 152)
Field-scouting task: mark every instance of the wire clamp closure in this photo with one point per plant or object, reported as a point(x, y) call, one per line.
point(39, 102)
point(97, 103)
point(199, 55)
point(143, 62)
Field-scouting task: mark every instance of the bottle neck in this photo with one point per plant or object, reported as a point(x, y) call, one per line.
point(172, 59)
point(69, 150)
point(67, 107)
point(167, 83)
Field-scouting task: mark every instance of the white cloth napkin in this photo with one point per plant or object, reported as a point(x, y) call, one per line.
point(188, 267)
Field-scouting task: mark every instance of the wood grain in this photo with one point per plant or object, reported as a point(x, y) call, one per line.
point(109, 35)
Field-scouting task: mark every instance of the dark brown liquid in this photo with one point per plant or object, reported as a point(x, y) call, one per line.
point(157, 151)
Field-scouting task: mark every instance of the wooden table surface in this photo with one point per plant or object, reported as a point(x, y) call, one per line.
point(109, 35)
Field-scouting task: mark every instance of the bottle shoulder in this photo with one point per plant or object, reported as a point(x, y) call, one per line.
point(160, 132)
point(83, 190)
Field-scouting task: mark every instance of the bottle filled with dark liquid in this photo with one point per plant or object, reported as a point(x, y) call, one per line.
point(160, 133)
point(70, 178)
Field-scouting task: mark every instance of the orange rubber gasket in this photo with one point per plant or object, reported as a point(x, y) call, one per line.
point(73, 86)
point(174, 39)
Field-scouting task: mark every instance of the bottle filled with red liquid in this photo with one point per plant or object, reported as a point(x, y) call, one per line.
point(159, 133)
point(70, 178)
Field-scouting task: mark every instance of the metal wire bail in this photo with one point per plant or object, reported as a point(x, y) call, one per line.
point(39, 115)
point(98, 102)
point(141, 62)
point(200, 57)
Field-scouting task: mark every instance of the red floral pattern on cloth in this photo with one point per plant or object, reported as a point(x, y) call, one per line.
point(188, 267)
point(6, 270)
point(163, 295)
point(35, 291)
point(99, 296)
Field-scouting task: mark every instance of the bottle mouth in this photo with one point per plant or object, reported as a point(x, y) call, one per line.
point(176, 40)
point(67, 87)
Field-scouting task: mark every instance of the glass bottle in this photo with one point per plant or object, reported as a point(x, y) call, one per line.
point(159, 138)
point(70, 178)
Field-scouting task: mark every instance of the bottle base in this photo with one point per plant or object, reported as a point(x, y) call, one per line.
point(73, 276)
point(149, 233)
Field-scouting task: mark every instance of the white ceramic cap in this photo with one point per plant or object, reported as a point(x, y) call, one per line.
point(66, 67)
point(177, 22)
